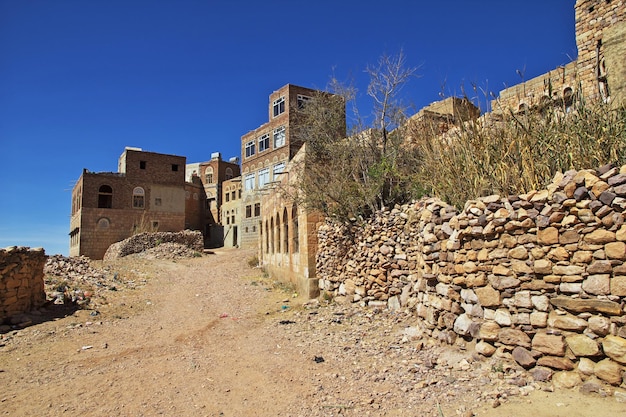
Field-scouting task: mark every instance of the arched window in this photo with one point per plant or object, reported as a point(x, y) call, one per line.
point(285, 231)
point(294, 226)
point(568, 96)
point(105, 197)
point(229, 173)
point(138, 197)
point(208, 175)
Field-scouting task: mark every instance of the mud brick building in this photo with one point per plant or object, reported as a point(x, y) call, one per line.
point(148, 193)
point(231, 212)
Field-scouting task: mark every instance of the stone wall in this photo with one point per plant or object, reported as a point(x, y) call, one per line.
point(21, 280)
point(538, 277)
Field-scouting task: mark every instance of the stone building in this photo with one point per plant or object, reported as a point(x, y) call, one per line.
point(265, 152)
point(598, 73)
point(231, 212)
point(288, 232)
point(211, 175)
point(147, 193)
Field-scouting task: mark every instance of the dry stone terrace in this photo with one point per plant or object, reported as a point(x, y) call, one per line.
point(539, 278)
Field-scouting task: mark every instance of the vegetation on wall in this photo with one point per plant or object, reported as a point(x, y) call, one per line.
point(390, 161)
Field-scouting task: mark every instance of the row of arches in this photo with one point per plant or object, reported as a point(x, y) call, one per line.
point(280, 233)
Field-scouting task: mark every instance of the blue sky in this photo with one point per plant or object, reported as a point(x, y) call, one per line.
point(80, 80)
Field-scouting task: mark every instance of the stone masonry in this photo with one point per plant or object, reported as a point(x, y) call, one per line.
point(21, 280)
point(538, 277)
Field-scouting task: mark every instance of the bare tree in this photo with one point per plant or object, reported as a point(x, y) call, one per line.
point(355, 174)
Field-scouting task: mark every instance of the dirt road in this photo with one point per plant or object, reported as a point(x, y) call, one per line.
point(211, 336)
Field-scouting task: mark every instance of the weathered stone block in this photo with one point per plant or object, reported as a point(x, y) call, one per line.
point(549, 344)
point(488, 296)
point(615, 348)
point(514, 337)
point(582, 345)
point(609, 371)
point(556, 362)
point(548, 236)
point(618, 286)
point(489, 331)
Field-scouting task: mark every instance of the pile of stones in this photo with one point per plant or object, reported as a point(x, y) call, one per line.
point(141, 242)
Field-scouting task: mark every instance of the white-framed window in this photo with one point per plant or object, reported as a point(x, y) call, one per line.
point(138, 197)
point(279, 137)
point(249, 182)
point(279, 106)
point(264, 142)
point(264, 177)
point(209, 175)
point(278, 168)
point(250, 149)
point(302, 100)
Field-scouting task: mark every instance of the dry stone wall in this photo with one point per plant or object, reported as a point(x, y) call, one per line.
point(539, 277)
point(21, 280)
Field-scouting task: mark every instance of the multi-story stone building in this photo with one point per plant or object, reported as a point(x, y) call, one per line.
point(147, 193)
point(231, 212)
point(265, 152)
point(211, 175)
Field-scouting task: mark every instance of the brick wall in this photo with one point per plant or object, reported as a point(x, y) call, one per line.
point(21, 280)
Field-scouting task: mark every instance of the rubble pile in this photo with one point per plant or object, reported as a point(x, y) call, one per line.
point(168, 251)
point(141, 242)
point(76, 280)
point(539, 278)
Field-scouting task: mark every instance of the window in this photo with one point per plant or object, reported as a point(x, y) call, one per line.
point(174, 167)
point(105, 197)
point(279, 106)
point(302, 100)
point(229, 173)
point(279, 137)
point(138, 197)
point(264, 142)
point(142, 164)
point(155, 225)
point(239, 193)
point(257, 209)
point(227, 195)
point(232, 196)
point(248, 211)
point(104, 223)
point(250, 150)
point(249, 182)
point(278, 169)
point(158, 201)
point(264, 177)
point(232, 219)
point(208, 175)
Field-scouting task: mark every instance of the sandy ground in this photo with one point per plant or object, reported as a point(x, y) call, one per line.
point(211, 336)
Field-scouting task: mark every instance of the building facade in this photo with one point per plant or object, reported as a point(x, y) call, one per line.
point(148, 193)
point(211, 175)
point(231, 212)
point(265, 152)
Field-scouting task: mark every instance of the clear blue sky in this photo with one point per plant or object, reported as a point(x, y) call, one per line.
point(82, 79)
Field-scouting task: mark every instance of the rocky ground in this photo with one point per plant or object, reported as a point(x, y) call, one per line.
point(211, 336)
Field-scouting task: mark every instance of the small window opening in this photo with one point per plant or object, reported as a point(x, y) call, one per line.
point(142, 164)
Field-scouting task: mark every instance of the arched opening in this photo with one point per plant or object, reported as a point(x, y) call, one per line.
point(105, 197)
point(208, 175)
point(294, 226)
point(229, 173)
point(272, 237)
point(277, 233)
point(285, 231)
point(267, 238)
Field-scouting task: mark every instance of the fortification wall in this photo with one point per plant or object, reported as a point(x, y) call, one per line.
point(21, 280)
point(539, 277)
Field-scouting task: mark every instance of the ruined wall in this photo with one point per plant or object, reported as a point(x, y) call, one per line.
point(21, 280)
point(537, 277)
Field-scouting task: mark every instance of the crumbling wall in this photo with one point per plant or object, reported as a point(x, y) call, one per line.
point(538, 277)
point(21, 280)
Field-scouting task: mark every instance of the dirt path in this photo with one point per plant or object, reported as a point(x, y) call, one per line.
point(212, 337)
